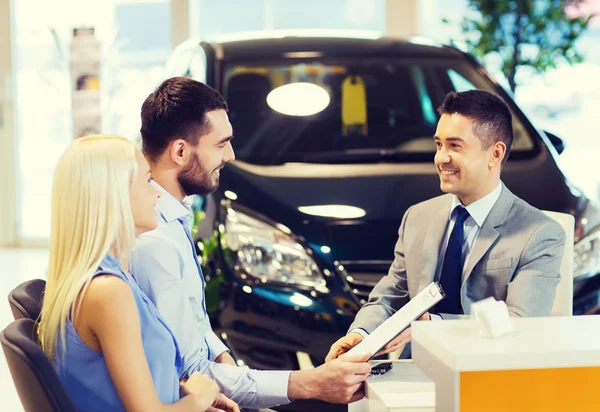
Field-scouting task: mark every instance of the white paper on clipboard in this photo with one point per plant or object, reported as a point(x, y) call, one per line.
point(399, 321)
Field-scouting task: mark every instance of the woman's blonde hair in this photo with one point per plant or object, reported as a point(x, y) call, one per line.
point(91, 217)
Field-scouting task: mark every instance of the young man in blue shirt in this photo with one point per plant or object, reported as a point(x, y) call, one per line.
point(186, 138)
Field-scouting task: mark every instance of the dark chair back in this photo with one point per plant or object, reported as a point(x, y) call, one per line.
point(26, 299)
point(37, 383)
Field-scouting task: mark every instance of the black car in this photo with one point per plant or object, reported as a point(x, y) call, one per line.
point(305, 220)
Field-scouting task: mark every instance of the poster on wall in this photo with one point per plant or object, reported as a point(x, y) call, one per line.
point(85, 54)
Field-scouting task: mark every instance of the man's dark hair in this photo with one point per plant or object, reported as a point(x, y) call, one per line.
point(492, 121)
point(177, 110)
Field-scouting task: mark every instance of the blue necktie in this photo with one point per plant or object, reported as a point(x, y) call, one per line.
point(189, 236)
point(451, 275)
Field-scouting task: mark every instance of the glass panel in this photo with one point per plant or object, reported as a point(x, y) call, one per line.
point(563, 101)
point(133, 54)
point(210, 18)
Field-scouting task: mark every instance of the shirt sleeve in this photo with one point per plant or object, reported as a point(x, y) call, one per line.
point(215, 346)
point(251, 388)
point(360, 331)
point(157, 266)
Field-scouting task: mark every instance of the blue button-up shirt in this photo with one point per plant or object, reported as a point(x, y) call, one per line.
point(165, 265)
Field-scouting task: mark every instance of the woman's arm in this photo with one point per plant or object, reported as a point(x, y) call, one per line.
point(109, 311)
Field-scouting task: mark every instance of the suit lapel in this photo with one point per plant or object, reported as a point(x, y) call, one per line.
point(433, 238)
point(486, 238)
point(489, 233)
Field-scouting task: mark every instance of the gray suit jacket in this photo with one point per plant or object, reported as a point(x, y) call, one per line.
point(516, 258)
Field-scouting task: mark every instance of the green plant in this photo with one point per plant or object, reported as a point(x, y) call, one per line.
point(535, 33)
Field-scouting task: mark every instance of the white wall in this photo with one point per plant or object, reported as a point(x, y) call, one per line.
point(8, 195)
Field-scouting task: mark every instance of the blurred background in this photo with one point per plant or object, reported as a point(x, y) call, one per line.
point(134, 39)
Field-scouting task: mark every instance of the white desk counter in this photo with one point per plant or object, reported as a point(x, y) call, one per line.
point(547, 364)
point(403, 389)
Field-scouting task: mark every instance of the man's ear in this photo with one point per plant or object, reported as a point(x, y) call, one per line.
point(178, 151)
point(497, 155)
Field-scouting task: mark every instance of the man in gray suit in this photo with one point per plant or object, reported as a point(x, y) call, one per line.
point(478, 240)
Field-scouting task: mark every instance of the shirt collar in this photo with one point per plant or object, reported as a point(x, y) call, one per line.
point(480, 209)
point(169, 207)
point(110, 262)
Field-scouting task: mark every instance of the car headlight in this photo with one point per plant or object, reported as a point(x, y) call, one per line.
point(587, 256)
point(269, 253)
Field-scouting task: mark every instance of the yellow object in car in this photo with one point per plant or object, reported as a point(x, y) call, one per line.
point(354, 106)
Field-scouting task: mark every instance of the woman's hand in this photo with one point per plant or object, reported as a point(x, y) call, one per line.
point(223, 403)
point(202, 387)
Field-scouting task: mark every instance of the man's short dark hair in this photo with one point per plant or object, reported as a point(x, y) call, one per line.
point(177, 110)
point(492, 120)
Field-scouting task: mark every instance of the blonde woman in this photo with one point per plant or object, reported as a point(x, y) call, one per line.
point(111, 349)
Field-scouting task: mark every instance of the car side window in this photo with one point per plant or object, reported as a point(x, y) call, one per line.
point(459, 82)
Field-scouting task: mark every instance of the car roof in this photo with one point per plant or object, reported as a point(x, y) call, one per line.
point(310, 44)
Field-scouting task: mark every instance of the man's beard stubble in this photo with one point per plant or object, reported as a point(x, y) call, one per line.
point(195, 180)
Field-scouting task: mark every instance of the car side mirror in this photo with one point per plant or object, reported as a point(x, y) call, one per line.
point(556, 141)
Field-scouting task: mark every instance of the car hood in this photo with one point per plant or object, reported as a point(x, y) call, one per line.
point(383, 192)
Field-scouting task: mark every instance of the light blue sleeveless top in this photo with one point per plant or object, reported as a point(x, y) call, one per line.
point(84, 373)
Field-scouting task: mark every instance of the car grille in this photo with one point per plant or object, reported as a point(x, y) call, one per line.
point(362, 275)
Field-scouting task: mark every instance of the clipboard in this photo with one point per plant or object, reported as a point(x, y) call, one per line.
point(399, 321)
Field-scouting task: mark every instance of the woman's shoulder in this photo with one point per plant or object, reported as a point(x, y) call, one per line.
point(103, 283)
point(107, 299)
point(107, 292)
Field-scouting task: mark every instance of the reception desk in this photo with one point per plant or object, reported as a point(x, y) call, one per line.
point(547, 364)
point(403, 389)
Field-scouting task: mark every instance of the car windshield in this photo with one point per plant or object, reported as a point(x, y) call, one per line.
point(343, 110)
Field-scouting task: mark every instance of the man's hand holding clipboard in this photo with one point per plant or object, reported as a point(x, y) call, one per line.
point(394, 331)
point(402, 339)
point(345, 343)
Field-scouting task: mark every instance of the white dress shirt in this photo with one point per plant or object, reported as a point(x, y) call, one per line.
point(165, 265)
